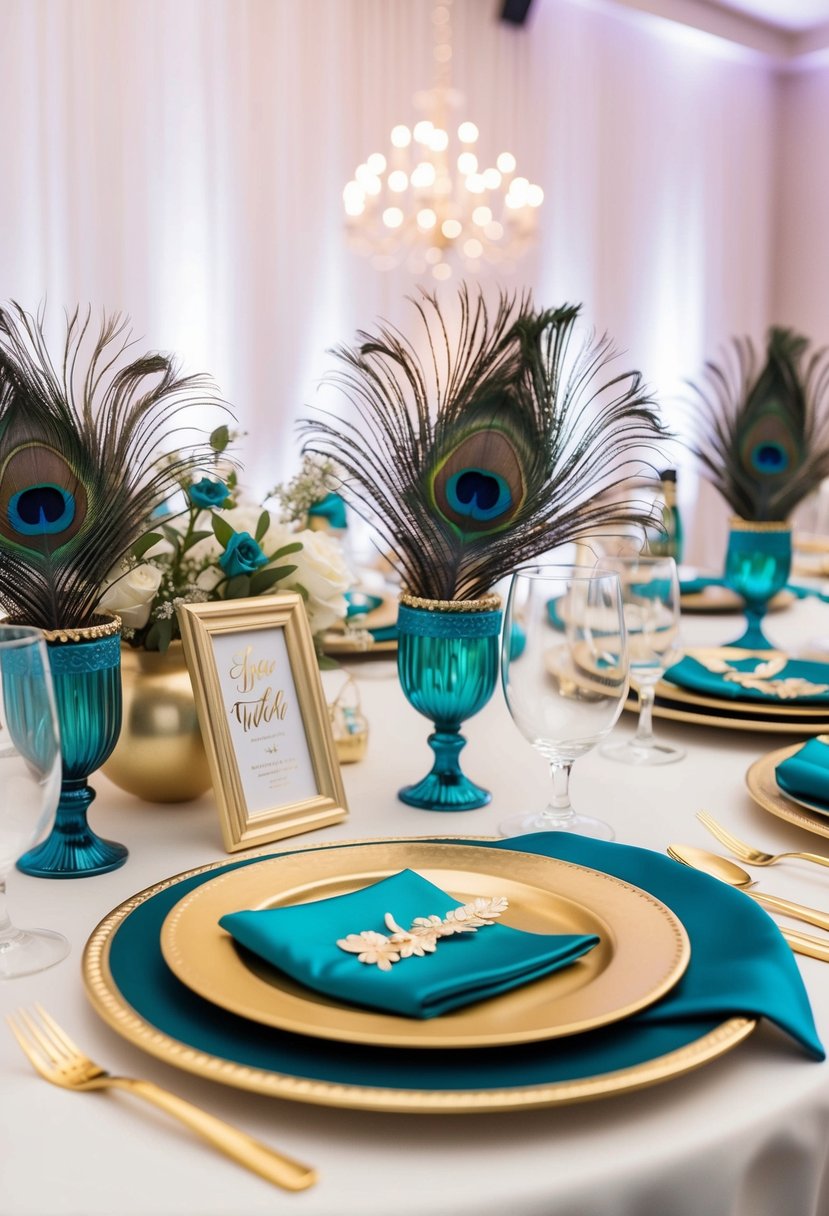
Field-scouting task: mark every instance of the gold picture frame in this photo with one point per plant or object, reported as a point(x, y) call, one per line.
point(263, 718)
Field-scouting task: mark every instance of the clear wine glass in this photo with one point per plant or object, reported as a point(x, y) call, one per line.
point(566, 686)
point(30, 777)
point(650, 593)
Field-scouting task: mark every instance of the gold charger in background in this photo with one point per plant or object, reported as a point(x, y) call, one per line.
point(762, 785)
point(642, 953)
point(702, 716)
point(717, 599)
point(356, 638)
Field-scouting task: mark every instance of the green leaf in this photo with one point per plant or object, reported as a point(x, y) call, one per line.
point(171, 535)
point(146, 542)
point(294, 547)
point(195, 538)
point(298, 587)
point(238, 587)
point(165, 633)
point(326, 663)
point(265, 579)
point(220, 439)
point(221, 530)
point(262, 526)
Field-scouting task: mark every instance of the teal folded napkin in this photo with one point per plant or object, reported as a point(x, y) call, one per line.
point(302, 941)
point(695, 586)
point(806, 773)
point(691, 674)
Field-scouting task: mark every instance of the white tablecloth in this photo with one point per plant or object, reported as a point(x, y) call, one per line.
point(747, 1135)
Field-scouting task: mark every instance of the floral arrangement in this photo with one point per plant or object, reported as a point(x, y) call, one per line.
point(220, 549)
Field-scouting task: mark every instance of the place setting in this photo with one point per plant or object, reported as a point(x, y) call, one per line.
point(447, 971)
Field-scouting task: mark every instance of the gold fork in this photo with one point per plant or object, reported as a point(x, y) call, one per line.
point(53, 1054)
point(745, 852)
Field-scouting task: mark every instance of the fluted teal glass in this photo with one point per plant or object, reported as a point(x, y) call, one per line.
point(757, 565)
point(448, 667)
point(87, 680)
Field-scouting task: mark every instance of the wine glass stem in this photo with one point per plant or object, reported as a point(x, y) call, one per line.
point(7, 929)
point(560, 806)
point(644, 727)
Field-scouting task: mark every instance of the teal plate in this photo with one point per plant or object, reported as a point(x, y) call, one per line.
point(132, 988)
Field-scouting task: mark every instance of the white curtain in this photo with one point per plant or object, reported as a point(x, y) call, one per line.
point(183, 160)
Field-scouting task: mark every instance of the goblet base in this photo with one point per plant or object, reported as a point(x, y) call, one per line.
point(28, 951)
point(642, 755)
point(445, 792)
point(70, 856)
point(546, 821)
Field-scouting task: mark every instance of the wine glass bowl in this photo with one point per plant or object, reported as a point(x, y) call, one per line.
point(565, 689)
point(30, 780)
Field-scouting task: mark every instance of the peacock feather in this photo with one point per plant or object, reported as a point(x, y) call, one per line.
point(491, 449)
point(761, 433)
point(80, 465)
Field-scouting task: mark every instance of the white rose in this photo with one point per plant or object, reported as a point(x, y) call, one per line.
point(322, 570)
point(131, 595)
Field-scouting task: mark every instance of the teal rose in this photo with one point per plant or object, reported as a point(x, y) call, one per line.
point(242, 555)
point(208, 493)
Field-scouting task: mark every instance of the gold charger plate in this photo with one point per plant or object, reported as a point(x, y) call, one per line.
point(700, 716)
point(763, 787)
point(642, 953)
point(111, 1005)
point(716, 599)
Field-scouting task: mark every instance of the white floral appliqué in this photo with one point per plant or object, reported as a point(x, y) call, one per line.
point(423, 935)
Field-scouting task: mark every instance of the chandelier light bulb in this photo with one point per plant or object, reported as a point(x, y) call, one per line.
point(492, 179)
point(506, 162)
point(438, 140)
point(423, 131)
point(467, 133)
point(473, 248)
point(426, 218)
point(397, 181)
point(535, 196)
point(468, 162)
point(481, 216)
point(376, 163)
point(401, 136)
point(392, 217)
point(442, 271)
point(372, 185)
point(423, 175)
point(475, 183)
point(451, 229)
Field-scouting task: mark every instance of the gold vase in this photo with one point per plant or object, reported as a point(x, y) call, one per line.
point(160, 756)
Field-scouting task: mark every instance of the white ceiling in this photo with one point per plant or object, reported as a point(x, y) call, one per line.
point(795, 15)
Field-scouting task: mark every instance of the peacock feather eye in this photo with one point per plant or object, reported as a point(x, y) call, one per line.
point(480, 486)
point(43, 502)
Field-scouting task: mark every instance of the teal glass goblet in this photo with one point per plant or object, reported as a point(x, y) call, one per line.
point(448, 663)
point(86, 674)
point(757, 565)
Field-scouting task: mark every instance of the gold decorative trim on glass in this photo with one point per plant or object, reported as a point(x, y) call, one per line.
point(642, 952)
point(762, 785)
point(88, 633)
point(109, 1003)
point(759, 525)
point(487, 603)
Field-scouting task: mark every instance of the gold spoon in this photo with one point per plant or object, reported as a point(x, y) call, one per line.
point(728, 872)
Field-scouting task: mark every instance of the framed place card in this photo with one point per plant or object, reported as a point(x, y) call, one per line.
point(263, 718)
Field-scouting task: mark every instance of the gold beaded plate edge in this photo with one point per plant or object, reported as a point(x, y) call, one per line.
point(762, 785)
point(702, 717)
point(111, 1006)
point(643, 948)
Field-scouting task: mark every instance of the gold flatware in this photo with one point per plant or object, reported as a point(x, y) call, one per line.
point(726, 871)
point(53, 1054)
point(745, 852)
point(804, 943)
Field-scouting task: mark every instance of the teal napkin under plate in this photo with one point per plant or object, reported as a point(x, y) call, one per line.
point(695, 586)
point(691, 674)
point(302, 941)
point(806, 773)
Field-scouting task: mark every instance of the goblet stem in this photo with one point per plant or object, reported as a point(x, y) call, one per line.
point(559, 809)
point(644, 727)
point(753, 638)
point(7, 929)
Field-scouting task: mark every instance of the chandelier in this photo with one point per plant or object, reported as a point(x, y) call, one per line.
point(430, 200)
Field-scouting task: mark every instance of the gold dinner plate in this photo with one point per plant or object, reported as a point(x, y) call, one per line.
point(291, 1083)
point(642, 952)
point(729, 717)
point(763, 787)
point(717, 599)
